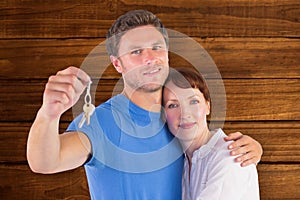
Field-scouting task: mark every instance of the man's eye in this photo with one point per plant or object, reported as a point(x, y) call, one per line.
point(157, 47)
point(137, 51)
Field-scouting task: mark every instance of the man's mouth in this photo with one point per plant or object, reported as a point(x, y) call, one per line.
point(152, 72)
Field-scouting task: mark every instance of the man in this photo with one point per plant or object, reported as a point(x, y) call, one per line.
point(126, 150)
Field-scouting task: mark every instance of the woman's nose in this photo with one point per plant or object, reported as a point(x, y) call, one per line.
point(186, 112)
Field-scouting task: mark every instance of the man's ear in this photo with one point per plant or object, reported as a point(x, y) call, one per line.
point(116, 63)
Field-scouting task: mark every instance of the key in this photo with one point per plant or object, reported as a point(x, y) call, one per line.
point(82, 121)
point(88, 111)
point(88, 107)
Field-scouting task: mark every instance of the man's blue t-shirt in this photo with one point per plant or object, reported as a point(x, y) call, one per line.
point(134, 156)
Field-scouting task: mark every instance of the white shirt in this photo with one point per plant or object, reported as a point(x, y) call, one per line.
point(216, 176)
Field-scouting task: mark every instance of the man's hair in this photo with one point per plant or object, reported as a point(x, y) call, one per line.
point(128, 21)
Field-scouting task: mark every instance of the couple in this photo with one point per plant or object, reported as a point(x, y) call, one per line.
point(127, 150)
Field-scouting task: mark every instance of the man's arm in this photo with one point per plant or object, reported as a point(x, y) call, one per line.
point(250, 150)
point(47, 150)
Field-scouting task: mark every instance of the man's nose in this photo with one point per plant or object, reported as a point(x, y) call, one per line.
point(149, 56)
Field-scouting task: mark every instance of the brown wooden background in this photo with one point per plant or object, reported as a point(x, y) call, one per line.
point(255, 44)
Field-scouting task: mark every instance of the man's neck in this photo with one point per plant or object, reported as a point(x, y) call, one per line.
point(150, 101)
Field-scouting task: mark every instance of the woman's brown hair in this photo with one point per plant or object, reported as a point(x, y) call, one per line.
point(186, 77)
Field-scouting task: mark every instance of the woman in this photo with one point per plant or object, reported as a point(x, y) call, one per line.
point(210, 173)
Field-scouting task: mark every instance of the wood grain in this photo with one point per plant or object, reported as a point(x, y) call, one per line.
point(238, 18)
point(280, 141)
point(247, 99)
point(21, 183)
point(234, 57)
point(279, 181)
point(254, 44)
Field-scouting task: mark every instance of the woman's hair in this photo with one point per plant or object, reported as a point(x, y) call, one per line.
point(128, 21)
point(187, 77)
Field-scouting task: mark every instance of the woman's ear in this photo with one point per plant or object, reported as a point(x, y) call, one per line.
point(116, 63)
point(208, 108)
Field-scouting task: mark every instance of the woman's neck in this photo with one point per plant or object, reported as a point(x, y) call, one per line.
point(201, 139)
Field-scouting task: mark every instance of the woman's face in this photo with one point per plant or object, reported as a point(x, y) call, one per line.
point(186, 111)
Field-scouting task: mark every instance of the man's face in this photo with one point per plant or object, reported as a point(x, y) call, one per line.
point(143, 59)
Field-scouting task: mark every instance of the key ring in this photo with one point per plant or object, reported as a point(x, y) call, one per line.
point(88, 98)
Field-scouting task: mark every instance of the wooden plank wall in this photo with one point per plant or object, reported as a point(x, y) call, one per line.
point(255, 44)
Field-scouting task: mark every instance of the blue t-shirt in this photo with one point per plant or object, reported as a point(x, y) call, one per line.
point(134, 156)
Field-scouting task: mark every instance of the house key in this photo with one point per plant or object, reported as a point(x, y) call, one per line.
point(88, 107)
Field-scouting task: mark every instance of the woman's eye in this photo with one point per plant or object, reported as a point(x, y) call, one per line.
point(172, 106)
point(195, 101)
